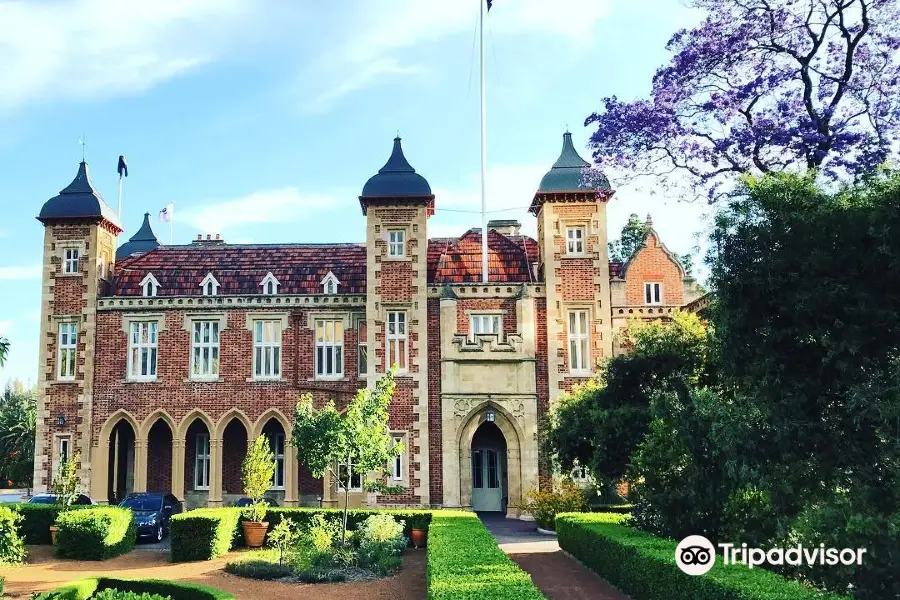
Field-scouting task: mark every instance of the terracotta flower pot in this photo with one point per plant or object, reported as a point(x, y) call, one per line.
point(418, 537)
point(255, 533)
point(53, 534)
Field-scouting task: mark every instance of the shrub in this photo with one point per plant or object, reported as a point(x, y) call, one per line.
point(545, 505)
point(114, 594)
point(258, 569)
point(37, 519)
point(203, 534)
point(380, 538)
point(85, 589)
point(12, 546)
point(95, 534)
point(257, 472)
point(322, 532)
point(283, 537)
point(643, 565)
point(464, 561)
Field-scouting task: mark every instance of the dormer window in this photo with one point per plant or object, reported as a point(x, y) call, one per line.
point(150, 285)
point(269, 284)
point(330, 284)
point(209, 285)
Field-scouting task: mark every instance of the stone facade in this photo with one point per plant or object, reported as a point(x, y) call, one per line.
point(174, 376)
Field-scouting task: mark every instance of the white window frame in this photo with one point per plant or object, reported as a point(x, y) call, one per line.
point(579, 341)
point(649, 295)
point(149, 348)
point(63, 450)
point(202, 471)
point(150, 286)
point(396, 342)
point(333, 347)
point(397, 467)
point(279, 460)
point(269, 285)
point(396, 243)
point(67, 346)
point(71, 256)
point(267, 349)
point(575, 241)
point(210, 285)
point(199, 346)
point(362, 350)
point(353, 488)
point(485, 324)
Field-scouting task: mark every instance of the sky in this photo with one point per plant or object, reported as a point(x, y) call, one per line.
point(261, 120)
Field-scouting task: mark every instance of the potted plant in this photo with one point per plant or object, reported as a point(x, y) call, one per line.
point(418, 530)
point(65, 488)
point(257, 472)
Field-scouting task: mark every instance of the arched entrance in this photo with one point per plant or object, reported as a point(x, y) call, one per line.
point(121, 462)
point(490, 485)
point(159, 457)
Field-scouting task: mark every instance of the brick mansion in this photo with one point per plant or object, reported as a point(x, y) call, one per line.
point(158, 363)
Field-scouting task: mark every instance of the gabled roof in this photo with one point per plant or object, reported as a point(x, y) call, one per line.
point(78, 201)
point(142, 241)
point(648, 232)
point(458, 260)
point(239, 268)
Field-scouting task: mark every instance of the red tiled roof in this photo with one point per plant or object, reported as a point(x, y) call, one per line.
point(240, 269)
point(452, 260)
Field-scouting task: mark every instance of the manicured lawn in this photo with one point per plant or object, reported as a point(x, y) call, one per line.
point(45, 572)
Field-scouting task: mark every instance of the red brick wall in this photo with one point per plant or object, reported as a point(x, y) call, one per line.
point(435, 450)
point(652, 264)
point(234, 449)
point(159, 458)
point(507, 305)
point(542, 381)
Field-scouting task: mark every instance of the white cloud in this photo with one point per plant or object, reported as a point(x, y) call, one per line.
point(20, 272)
point(83, 49)
point(271, 206)
point(371, 43)
point(5, 327)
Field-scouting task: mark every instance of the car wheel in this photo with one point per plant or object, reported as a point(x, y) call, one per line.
point(159, 532)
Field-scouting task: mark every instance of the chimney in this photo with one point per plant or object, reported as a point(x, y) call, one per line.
point(209, 241)
point(505, 226)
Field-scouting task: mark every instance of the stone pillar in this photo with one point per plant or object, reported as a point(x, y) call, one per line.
point(140, 463)
point(100, 472)
point(178, 469)
point(215, 473)
point(291, 474)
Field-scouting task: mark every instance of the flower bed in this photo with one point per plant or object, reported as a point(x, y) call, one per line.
point(643, 565)
point(84, 589)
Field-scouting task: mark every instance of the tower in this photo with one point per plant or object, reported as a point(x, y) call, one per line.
point(80, 232)
point(397, 202)
point(570, 206)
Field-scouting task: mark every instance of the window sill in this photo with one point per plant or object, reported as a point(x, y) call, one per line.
point(329, 379)
point(580, 374)
point(72, 380)
point(69, 274)
point(397, 258)
point(148, 380)
point(203, 380)
point(200, 489)
point(265, 380)
point(583, 255)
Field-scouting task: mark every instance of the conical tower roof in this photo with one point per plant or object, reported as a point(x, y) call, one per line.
point(568, 173)
point(396, 179)
point(78, 201)
point(141, 242)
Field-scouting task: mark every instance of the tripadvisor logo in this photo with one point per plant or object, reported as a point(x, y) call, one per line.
point(696, 555)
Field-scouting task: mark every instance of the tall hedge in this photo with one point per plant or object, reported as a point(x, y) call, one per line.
point(96, 534)
point(37, 519)
point(464, 562)
point(83, 589)
point(12, 546)
point(643, 565)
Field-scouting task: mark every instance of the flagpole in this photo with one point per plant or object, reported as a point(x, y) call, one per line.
point(120, 196)
point(484, 231)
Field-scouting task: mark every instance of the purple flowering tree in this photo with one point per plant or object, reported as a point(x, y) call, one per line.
point(762, 86)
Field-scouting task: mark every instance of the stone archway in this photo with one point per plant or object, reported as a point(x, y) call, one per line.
point(512, 436)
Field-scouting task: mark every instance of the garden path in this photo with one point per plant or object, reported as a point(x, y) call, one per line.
point(557, 575)
point(44, 572)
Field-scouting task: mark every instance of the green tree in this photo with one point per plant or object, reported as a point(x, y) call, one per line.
point(631, 238)
point(65, 481)
point(17, 431)
point(4, 350)
point(257, 471)
point(356, 441)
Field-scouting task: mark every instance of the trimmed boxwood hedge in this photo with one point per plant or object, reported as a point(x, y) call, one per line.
point(643, 565)
point(464, 562)
point(84, 588)
point(95, 534)
point(206, 533)
point(37, 519)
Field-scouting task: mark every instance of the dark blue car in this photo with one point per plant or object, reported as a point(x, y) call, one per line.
point(151, 513)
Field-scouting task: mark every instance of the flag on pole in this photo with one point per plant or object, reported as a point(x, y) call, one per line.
point(489, 3)
point(123, 167)
point(166, 213)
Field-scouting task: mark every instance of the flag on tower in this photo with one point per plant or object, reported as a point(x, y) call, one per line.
point(489, 3)
point(123, 167)
point(166, 213)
